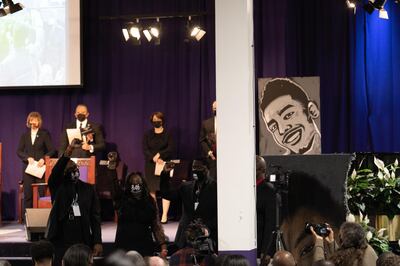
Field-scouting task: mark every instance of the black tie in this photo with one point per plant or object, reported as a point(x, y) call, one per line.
point(80, 125)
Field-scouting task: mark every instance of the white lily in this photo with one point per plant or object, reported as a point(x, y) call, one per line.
point(369, 236)
point(350, 218)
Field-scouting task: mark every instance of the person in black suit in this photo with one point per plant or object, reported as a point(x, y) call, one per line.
point(265, 206)
point(91, 143)
point(199, 201)
point(75, 215)
point(208, 142)
point(33, 146)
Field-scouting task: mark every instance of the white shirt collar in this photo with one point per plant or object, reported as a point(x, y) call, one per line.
point(84, 123)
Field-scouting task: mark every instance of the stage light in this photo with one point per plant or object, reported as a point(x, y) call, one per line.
point(374, 4)
point(147, 34)
point(194, 30)
point(383, 14)
point(9, 7)
point(350, 4)
point(131, 31)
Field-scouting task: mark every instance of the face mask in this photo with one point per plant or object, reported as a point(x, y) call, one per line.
point(81, 117)
point(157, 124)
point(136, 191)
point(199, 175)
point(74, 175)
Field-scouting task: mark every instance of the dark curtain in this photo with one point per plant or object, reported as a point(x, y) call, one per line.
point(124, 84)
point(356, 57)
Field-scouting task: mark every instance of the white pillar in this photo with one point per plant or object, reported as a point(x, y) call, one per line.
point(236, 127)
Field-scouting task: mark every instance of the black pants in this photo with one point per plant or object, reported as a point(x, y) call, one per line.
point(28, 181)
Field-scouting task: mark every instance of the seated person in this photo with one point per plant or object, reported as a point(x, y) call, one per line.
point(283, 258)
point(199, 249)
point(388, 259)
point(353, 248)
point(42, 253)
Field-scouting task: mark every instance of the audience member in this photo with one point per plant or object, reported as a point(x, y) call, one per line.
point(92, 140)
point(283, 258)
point(5, 263)
point(33, 146)
point(323, 263)
point(42, 253)
point(155, 261)
point(353, 247)
point(388, 259)
point(199, 201)
point(135, 258)
point(199, 249)
point(75, 215)
point(232, 260)
point(118, 258)
point(137, 217)
point(158, 147)
point(78, 255)
point(208, 141)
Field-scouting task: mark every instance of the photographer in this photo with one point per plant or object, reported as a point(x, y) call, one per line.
point(353, 248)
point(199, 200)
point(92, 135)
point(199, 249)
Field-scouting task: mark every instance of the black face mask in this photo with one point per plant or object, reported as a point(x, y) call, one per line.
point(81, 117)
point(157, 124)
point(136, 191)
point(73, 175)
point(215, 112)
point(199, 175)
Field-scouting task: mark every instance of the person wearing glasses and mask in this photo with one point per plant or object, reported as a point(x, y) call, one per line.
point(158, 147)
point(92, 141)
point(75, 215)
point(33, 146)
point(137, 218)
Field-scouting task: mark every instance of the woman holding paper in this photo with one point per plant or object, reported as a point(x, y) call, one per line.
point(157, 148)
point(33, 146)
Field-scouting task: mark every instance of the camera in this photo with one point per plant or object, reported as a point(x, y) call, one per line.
point(197, 236)
point(87, 130)
point(320, 229)
point(278, 177)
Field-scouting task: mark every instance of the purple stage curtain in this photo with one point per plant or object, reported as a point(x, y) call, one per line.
point(124, 84)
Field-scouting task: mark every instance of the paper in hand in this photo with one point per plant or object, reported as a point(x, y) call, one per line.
point(73, 133)
point(35, 170)
point(159, 168)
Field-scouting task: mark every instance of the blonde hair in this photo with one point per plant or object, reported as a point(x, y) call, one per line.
point(34, 115)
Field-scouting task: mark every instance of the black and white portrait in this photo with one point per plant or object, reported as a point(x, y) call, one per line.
point(289, 116)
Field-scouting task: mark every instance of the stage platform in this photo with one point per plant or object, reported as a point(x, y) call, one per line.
point(15, 247)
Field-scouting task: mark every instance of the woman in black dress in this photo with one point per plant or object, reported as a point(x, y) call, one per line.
point(157, 148)
point(137, 217)
point(33, 146)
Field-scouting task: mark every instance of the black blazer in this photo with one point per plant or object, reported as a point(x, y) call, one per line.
point(42, 146)
point(207, 128)
point(98, 141)
point(62, 193)
point(206, 210)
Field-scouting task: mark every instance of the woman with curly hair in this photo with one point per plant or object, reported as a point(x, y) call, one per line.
point(137, 217)
point(353, 247)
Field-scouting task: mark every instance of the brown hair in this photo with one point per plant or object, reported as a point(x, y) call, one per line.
point(159, 115)
point(34, 115)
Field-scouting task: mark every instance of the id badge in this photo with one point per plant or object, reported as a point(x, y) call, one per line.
point(76, 210)
point(196, 204)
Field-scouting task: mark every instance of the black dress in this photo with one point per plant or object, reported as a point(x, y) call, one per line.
point(154, 143)
point(138, 223)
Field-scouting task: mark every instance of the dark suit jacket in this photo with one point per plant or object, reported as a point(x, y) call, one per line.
point(207, 128)
point(41, 148)
point(206, 210)
point(62, 193)
point(98, 141)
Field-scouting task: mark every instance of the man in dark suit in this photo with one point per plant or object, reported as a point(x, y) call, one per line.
point(208, 142)
point(199, 201)
point(91, 143)
point(33, 146)
point(75, 215)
